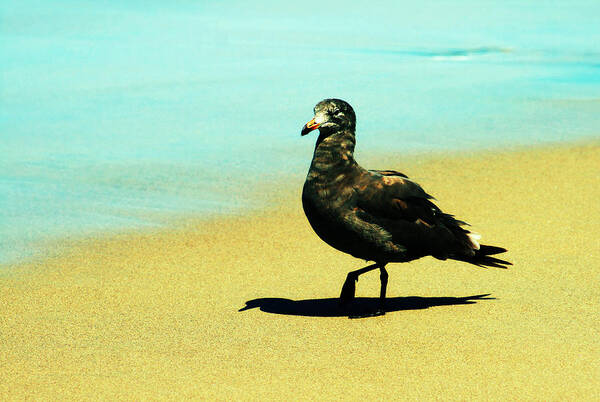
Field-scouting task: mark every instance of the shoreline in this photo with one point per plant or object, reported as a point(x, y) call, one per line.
point(155, 313)
point(287, 197)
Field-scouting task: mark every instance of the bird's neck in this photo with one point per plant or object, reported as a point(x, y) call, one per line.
point(334, 153)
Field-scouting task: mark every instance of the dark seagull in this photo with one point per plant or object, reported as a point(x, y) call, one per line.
point(376, 215)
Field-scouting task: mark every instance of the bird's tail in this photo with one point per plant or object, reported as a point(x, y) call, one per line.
point(482, 257)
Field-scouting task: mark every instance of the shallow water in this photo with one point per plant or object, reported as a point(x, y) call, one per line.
point(119, 116)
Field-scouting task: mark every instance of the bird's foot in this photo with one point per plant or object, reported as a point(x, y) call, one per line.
point(367, 314)
point(348, 290)
point(379, 310)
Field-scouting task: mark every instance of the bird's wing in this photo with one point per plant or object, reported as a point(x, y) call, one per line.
point(391, 194)
point(400, 206)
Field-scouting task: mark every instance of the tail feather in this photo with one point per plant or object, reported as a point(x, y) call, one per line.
point(491, 250)
point(482, 258)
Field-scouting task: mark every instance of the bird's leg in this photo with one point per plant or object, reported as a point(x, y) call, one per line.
point(383, 276)
point(350, 285)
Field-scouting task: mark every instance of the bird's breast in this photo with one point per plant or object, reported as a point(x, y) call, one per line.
point(329, 192)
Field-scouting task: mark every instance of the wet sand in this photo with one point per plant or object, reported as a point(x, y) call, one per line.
point(155, 314)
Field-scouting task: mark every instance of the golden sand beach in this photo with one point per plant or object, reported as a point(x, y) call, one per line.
point(154, 315)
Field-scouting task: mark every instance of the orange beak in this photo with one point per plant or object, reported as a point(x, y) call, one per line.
point(310, 126)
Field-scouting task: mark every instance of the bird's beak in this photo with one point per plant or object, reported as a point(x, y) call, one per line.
point(310, 126)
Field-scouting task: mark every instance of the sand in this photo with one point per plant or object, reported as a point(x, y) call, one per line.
point(155, 315)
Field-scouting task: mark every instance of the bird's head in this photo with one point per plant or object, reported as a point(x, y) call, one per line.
point(331, 115)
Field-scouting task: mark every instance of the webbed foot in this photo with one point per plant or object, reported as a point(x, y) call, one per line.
point(367, 314)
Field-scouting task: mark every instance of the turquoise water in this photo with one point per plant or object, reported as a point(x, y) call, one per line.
point(118, 115)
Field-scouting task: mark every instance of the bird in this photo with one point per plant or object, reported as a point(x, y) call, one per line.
point(380, 216)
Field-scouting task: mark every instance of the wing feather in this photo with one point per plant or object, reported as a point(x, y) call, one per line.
point(400, 206)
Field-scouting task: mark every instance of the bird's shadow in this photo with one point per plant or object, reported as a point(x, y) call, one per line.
point(358, 308)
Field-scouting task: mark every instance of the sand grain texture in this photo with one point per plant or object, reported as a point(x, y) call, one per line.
point(155, 315)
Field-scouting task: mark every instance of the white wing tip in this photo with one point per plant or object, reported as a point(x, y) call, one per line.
point(474, 237)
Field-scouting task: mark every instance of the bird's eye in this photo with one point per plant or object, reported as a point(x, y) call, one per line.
point(336, 112)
